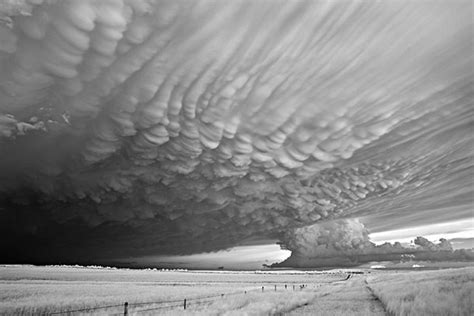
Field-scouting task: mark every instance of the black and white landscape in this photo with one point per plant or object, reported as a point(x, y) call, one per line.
point(332, 137)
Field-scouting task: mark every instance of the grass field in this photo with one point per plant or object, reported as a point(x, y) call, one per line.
point(42, 290)
point(28, 290)
point(438, 292)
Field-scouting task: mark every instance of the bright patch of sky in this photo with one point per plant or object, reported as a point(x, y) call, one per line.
point(242, 258)
point(433, 232)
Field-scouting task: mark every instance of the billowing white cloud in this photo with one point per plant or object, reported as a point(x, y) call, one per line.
point(145, 126)
point(346, 243)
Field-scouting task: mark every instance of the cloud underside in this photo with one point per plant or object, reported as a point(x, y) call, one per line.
point(141, 127)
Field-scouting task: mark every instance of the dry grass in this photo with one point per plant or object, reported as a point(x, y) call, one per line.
point(269, 303)
point(440, 292)
point(37, 290)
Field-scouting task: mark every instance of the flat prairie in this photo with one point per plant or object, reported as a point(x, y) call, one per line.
point(436, 292)
point(27, 290)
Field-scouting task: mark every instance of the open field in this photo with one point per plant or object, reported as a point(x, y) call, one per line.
point(445, 292)
point(44, 290)
point(49, 289)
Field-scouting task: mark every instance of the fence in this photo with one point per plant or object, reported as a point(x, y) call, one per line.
point(181, 303)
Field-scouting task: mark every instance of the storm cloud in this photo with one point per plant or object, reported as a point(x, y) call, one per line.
point(138, 127)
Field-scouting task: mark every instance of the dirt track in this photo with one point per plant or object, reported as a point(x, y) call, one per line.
point(350, 297)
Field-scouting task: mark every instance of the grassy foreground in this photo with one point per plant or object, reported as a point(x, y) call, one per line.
point(44, 290)
point(438, 292)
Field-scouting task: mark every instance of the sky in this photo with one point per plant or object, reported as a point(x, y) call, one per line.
point(132, 130)
point(463, 229)
point(236, 258)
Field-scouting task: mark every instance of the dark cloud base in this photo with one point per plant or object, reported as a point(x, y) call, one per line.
point(146, 127)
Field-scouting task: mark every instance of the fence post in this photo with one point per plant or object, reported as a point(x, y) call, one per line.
point(285, 286)
point(293, 287)
point(125, 308)
point(275, 288)
point(184, 304)
point(262, 288)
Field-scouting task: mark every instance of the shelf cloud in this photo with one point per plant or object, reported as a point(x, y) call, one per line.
point(141, 127)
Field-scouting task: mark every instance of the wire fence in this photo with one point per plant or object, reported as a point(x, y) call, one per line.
point(141, 307)
point(85, 309)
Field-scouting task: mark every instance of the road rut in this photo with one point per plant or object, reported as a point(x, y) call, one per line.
point(349, 297)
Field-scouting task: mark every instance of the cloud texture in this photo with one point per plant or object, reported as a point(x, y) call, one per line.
point(346, 243)
point(145, 127)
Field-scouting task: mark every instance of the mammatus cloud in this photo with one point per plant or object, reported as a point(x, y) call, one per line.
point(137, 127)
point(346, 242)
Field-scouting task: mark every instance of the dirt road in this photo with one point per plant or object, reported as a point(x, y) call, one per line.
point(350, 297)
